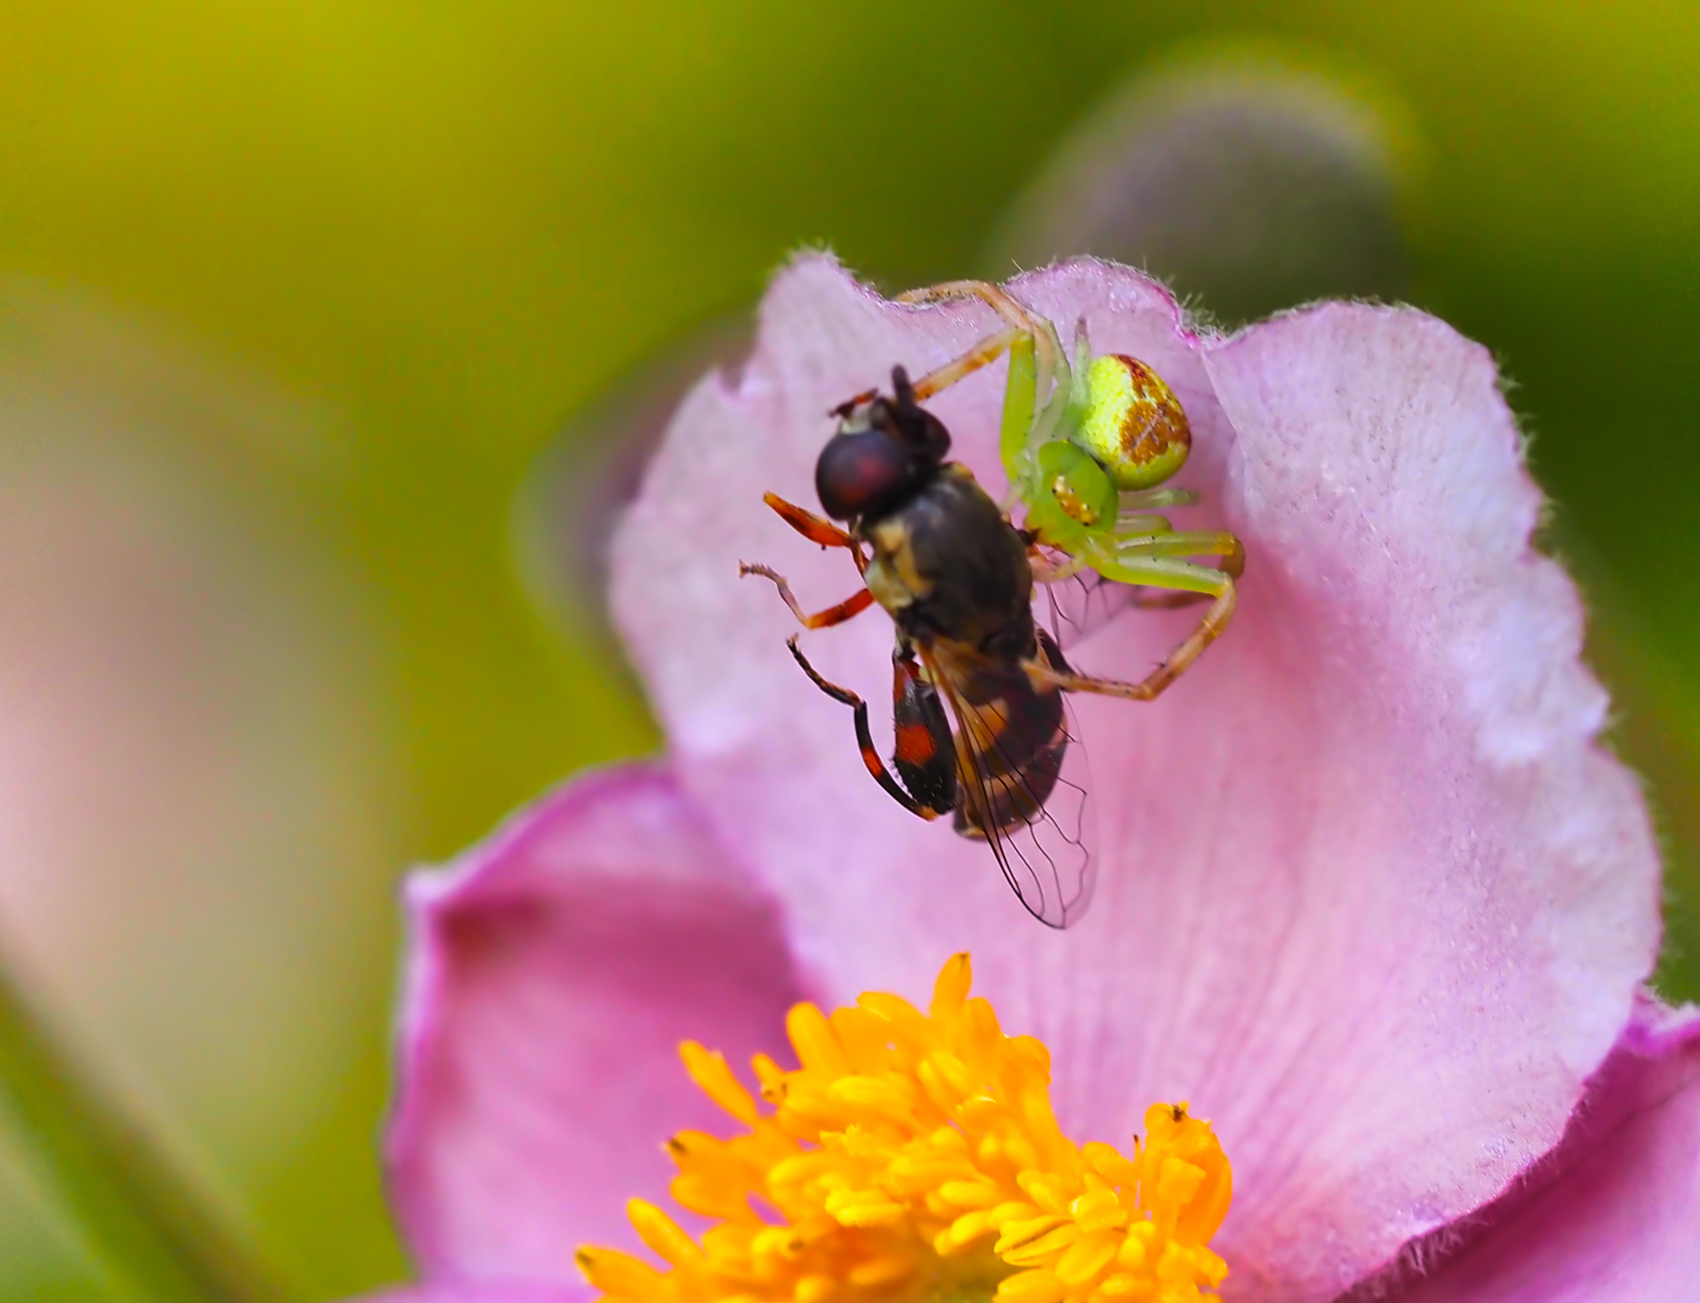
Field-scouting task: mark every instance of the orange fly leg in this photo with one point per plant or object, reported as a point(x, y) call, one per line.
point(864, 737)
point(853, 605)
point(813, 528)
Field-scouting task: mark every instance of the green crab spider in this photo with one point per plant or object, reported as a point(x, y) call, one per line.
point(1087, 443)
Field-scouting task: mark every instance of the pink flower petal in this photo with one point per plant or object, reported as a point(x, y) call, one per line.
point(1371, 898)
point(482, 1294)
point(554, 970)
point(1613, 1216)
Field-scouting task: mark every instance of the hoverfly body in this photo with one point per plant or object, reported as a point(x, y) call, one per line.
point(1086, 442)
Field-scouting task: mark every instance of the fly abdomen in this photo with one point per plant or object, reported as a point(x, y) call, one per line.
point(1021, 737)
point(925, 758)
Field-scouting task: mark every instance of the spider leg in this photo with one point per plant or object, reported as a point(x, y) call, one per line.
point(987, 351)
point(1158, 573)
point(1041, 383)
point(1044, 334)
point(994, 296)
point(864, 738)
point(1172, 543)
point(853, 605)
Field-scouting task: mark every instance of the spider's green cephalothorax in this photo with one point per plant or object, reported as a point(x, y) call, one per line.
point(1076, 497)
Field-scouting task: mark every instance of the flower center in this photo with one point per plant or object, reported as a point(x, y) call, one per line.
point(914, 1158)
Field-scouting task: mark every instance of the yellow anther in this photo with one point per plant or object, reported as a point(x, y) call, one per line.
point(972, 1194)
point(1037, 1249)
point(1176, 1142)
point(662, 1234)
point(771, 1076)
point(979, 1030)
point(709, 1198)
point(914, 1158)
point(863, 1036)
point(951, 989)
point(1031, 1287)
point(1024, 1230)
point(953, 1072)
point(1098, 1210)
point(968, 1228)
point(619, 1274)
point(876, 1094)
point(812, 1037)
point(1045, 1189)
point(1135, 1252)
point(873, 1214)
point(1108, 1163)
point(709, 1071)
point(903, 1019)
point(880, 1272)
point(1086, 1258)
point(776, 1242)
point(1032, 1053)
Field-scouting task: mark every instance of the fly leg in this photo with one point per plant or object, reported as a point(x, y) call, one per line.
point(853, 605)
point(864, 738)
point(816, 530)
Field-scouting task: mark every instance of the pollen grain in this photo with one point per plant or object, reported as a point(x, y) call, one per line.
point(914, 1158)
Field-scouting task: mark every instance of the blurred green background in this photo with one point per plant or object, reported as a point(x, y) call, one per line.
point(294, 295)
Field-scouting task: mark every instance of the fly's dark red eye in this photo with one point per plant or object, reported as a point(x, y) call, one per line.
point(861, 472)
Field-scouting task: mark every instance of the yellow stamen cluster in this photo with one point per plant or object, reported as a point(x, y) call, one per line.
point(914, 1158)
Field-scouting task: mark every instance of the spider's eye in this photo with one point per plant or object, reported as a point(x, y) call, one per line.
point(862, 471)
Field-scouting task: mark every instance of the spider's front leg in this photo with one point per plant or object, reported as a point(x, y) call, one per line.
point(925, 756)
point(1040, 383)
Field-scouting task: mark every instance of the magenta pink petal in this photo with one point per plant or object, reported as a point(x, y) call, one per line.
point(1372, 898)
point(1614, 1215)
point(553, 971)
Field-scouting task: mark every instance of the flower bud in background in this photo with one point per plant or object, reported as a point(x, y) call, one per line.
point(1243, 184)
point(192, 765)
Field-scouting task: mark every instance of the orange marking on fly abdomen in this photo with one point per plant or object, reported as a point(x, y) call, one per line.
point(914, 744)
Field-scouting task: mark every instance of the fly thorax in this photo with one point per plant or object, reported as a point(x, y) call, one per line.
point(891, 575)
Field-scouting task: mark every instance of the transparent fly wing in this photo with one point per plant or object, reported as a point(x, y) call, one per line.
point(1078, 606)
point(1026, 788)
point(1073, 608)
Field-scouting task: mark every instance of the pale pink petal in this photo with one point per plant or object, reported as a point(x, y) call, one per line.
point(482, 1293)
point(553, 971)
point(1371, 897)
point(1613, 1216)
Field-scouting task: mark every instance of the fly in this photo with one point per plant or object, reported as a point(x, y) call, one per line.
point(983, 729)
